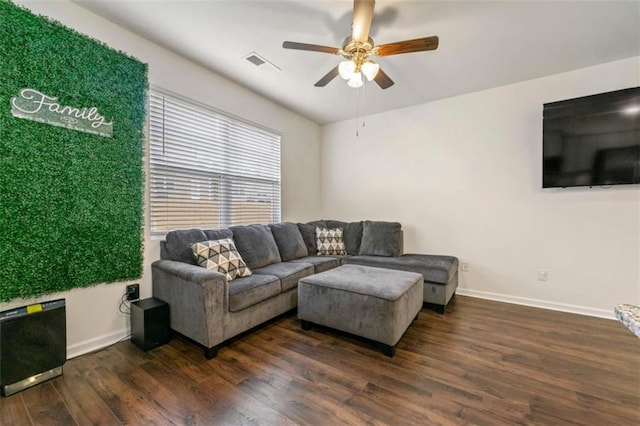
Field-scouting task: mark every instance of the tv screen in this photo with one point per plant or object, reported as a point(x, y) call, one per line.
point(592, 141)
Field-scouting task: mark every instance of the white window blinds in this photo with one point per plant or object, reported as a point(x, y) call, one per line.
point(209, 169)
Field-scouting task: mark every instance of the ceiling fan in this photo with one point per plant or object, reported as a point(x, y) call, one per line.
point(359, 48)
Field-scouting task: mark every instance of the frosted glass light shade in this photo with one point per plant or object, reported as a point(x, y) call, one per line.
point(631, 110)
point(356, 80)
point(347, 69)
point(370, 70)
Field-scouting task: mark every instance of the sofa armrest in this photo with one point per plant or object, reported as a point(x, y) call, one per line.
point(197, 298)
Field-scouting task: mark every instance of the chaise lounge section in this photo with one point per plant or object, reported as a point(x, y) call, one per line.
point(209, 308)
point(440, 274)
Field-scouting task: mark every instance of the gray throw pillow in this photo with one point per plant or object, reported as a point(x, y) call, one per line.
point(289, 240)
point(256, 245)
point(381, 239)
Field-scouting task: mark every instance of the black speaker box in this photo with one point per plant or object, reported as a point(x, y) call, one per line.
point(149, 323)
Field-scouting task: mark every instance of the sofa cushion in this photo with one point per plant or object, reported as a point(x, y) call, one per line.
point(318, 223)
point(218, 234)
point(288, 272)
point(256, 245)
point(246, 292)
point(221, 256)
point(328, 223)
point(381, 239)
point(434, 269)
point(320, 263)
point(289, 241)
point(308, 233)
point(177, 245)
point(329, 241)
point(352, 234)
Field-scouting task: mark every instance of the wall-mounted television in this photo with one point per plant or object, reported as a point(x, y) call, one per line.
point(592, 140)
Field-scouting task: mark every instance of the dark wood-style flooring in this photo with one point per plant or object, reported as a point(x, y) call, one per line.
point(482, 362)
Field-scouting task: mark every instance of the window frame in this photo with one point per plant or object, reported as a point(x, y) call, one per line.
point(222, 185)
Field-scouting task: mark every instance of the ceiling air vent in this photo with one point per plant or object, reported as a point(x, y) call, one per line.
point(258, 60)
point(255, 59)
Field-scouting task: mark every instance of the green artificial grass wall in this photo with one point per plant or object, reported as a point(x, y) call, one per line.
point(71, 202)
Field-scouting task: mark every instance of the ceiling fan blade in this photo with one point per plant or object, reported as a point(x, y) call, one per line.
point(327, 77)
point(362, 17)
point(310, 47)
point(408, 46)
point(383, 80)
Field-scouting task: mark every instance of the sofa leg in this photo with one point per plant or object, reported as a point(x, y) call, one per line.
point(389, 351)
point(439, 309)
point(306, 325)
point(211, 352)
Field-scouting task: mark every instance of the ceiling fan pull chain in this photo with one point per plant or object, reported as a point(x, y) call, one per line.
point(362, 105)
point(359, 103)
point(357, 120)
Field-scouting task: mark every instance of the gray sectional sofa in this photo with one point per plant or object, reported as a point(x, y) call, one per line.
point(207, 308)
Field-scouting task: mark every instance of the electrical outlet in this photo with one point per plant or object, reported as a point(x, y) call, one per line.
point(543, 274)
point(464, 267)
point(133, 291)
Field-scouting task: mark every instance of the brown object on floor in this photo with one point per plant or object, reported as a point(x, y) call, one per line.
point(483, 362)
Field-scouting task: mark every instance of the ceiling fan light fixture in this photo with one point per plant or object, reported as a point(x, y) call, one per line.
point(355, 81)
point(347, 69)
point(370, 69)
point(359, 47)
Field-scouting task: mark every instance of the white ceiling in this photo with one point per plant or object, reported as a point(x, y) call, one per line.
point(482, 44)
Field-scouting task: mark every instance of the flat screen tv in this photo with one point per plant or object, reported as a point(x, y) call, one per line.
point(592, 141)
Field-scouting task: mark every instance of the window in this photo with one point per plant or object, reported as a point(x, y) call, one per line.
point(209, 169)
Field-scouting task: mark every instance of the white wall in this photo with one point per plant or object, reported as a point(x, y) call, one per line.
point(93, 319)
point(463, 176)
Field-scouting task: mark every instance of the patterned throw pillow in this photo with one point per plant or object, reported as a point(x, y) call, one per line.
point(330, 241)
point(221, 256)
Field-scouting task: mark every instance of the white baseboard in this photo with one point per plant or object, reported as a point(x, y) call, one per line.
point(96, 343)
point(563, 307)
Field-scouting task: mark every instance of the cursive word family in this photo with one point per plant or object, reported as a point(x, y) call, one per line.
point(37, 106)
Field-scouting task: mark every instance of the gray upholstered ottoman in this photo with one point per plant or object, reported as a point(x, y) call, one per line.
point(374, 303)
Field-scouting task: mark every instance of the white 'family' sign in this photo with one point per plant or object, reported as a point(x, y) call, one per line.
point(36, 106)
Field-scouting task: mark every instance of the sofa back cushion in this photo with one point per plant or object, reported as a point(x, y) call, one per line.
point(381, 239)
point(177, 244)
point(308, 232)
point(289, 241)
point(218, 234)
point(256, 245)
point(352, 234)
